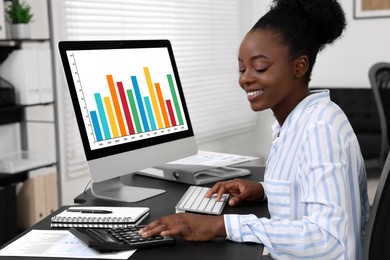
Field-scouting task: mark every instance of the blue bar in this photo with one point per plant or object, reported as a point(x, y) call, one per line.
point(96, 127)
point(150, 113)
point(102, 115)
point(140, 104)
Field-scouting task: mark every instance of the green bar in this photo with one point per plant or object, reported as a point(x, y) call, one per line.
point(175, 100)
point(134, 110)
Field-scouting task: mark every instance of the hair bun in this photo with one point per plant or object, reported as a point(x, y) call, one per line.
point(326, 16)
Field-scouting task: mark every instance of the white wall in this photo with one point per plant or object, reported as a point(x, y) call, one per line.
point(346, 63)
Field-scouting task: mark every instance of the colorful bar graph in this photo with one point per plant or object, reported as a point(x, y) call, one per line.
point(135, 109)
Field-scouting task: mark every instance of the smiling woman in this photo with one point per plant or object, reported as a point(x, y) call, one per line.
point(315, 178)
point(266, 75)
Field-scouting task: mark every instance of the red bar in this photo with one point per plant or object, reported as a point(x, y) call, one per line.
point(170, 111)
point(125, 107)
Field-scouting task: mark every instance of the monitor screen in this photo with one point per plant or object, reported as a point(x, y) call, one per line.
point(129, 105)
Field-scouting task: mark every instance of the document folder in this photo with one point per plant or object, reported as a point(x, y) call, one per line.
point(194, 174)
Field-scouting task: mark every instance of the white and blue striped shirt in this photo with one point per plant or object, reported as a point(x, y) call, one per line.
point(315, 183)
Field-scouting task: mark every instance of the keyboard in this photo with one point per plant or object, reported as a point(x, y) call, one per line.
point(118, 239)
point(194, 201)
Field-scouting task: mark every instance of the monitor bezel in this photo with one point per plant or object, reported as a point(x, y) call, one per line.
point(65, 46)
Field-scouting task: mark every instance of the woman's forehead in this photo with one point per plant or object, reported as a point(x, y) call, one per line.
point(264, 42)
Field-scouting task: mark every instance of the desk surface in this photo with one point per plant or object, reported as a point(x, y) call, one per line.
point(163, 205)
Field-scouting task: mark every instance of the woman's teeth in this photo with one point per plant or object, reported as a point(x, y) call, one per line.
point(254, 93)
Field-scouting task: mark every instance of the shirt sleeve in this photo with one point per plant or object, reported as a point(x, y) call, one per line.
point(264, 195)
point(320, 233)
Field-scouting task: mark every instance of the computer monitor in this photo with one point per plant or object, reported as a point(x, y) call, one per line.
point(130, 110)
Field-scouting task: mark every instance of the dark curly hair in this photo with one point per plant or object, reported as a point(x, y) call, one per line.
point(305, 26)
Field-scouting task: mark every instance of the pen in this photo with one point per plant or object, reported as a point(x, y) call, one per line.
point(90, 211)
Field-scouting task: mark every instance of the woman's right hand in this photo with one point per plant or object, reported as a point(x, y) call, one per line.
point(239, 189)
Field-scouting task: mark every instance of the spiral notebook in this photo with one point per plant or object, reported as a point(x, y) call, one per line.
point(99, 217)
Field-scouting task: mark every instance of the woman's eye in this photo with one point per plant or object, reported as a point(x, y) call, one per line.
point(261, 69)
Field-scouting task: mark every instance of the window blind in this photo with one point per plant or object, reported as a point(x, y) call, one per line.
point(205, 35)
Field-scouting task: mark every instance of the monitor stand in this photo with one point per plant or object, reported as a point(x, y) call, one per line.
point(114, 189)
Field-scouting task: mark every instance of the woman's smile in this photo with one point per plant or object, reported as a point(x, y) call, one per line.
point(253, 94)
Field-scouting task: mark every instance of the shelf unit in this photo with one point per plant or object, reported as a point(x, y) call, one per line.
point(29, 128)
point(15, 114)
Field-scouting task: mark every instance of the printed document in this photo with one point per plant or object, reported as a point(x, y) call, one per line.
point(213, 159)
point(56, 243)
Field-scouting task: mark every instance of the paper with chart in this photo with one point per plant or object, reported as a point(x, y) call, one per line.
point(56, 243)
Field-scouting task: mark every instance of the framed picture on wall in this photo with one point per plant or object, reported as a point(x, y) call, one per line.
point(371, 9)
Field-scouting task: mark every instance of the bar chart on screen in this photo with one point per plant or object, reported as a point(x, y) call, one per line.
point(126, 98)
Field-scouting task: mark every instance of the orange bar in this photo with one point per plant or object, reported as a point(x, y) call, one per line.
point(162, 105)
point(111, 117)
point(153, 98)
point(117, 108)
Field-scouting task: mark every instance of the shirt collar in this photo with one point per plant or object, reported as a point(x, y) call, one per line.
point(314, 97)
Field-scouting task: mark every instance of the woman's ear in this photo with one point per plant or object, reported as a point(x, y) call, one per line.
point(301, 66)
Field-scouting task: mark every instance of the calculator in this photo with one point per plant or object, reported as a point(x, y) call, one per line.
point(118, 239)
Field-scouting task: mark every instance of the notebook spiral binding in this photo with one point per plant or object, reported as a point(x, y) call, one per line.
point(96, 222)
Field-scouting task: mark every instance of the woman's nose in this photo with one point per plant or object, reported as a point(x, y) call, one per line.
point(246, 78)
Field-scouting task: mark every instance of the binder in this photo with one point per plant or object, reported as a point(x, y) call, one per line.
point(36, 83)
point(194, 174)
point(21, 69)
point(51, 193)
point(31, 202)
point(45, 76)
point(36, 199)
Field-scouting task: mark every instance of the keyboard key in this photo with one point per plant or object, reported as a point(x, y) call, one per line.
point(211, 203)
point(199, 199)
point(218, 205)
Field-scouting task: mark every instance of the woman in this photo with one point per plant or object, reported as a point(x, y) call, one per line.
point(315, 180)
